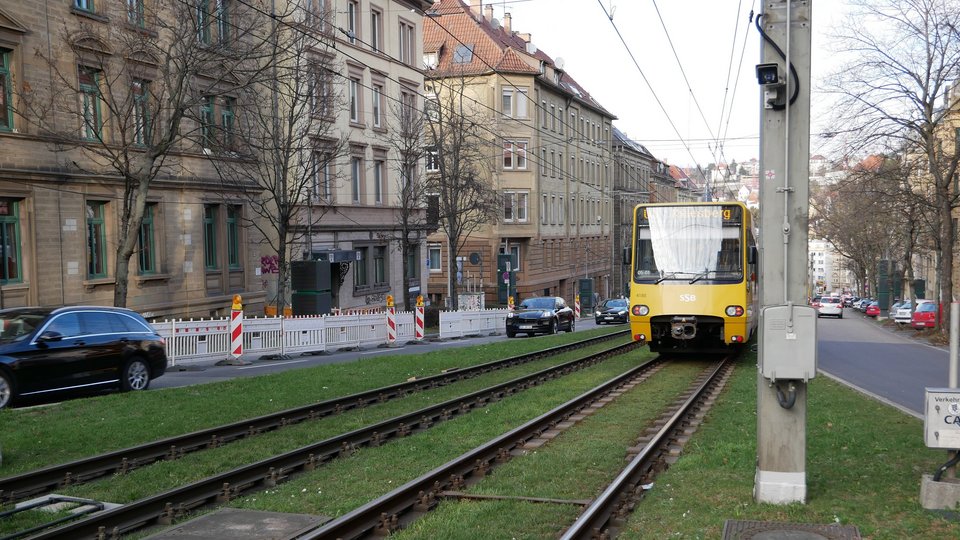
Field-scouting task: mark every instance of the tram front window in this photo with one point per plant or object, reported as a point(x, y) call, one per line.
point(687, 243)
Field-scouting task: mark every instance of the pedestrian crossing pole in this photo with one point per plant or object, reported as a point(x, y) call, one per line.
point(787, 352)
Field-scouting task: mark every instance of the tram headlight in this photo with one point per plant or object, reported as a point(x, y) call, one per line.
point(641, 310)
point(734, 311)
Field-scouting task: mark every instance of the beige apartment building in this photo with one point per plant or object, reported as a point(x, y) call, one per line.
point(62, 196)
point(550, 158)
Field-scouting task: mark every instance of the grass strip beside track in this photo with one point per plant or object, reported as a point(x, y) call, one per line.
point(47, 435)
point(864, 464)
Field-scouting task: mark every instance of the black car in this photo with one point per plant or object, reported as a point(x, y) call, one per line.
point(544, 315)
point(613, 310)
point(46, 350)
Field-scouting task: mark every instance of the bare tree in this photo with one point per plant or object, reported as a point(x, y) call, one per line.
point(286, 138)
point(405, 137)
point(462, 179)
point(137, 84)
point(903, 56)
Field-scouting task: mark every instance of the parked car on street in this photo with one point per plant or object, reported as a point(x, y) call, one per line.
point(832, 306)
point(46, 350)
point(815, 302)
point(863, 304)
point(925, 316)
point(612, 310)
point(903, 313)
point(542, 315)
point(872, 309)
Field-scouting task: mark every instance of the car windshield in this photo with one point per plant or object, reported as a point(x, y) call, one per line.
point(537, 303)
point(616, 303)
point(831, 300)
point(16, 325)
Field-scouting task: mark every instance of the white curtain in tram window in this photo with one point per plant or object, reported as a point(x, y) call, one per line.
point(687, 240)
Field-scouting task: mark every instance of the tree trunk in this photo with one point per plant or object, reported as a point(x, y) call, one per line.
point(946, 261)
point(451, 275)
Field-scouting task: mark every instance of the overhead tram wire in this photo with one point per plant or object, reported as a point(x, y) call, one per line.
point(743, 50)
point(650, 86)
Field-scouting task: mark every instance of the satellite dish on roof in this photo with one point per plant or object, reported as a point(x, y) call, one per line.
point(495, 23)
point(559, 63)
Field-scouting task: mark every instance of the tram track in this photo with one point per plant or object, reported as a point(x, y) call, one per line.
point(405, 504)
point(168, 506)
point(45, 480)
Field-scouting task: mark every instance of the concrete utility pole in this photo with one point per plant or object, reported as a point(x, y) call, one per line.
point(787, 353)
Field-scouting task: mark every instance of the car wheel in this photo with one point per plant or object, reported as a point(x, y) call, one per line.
point(6, 390)
point(553, 327)
point(572, 326)
point(511, 334)
point(135, 375)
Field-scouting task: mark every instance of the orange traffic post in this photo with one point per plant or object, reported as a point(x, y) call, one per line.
point(391, 322)
point(236, 334)
point(576, 306)
point(418, 319)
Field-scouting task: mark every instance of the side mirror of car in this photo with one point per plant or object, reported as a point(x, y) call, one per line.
point(50, 335)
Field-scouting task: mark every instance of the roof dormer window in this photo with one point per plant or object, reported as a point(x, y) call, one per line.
point(463, 54)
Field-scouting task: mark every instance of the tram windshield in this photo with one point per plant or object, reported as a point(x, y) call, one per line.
point(692, 243)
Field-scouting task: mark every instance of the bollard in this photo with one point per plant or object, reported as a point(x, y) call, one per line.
point(391, 322)
point(576, 306)
point(418, 319)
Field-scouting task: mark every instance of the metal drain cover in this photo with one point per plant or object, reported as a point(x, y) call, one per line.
point(770, 530)
point(242, 525)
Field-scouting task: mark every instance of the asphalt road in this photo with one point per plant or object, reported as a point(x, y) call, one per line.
point(888, 363)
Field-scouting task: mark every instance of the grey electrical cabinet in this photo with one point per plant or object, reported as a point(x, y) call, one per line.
point(788, 342)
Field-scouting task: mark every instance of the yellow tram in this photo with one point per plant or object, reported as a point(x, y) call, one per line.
point(693, 270)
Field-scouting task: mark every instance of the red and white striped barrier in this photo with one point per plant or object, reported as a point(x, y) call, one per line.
point(236, 328)
point(576, 306)
point(418, 320)
point(391, 322)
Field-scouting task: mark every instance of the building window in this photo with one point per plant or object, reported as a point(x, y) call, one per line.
point(408, 43)
point(223, 21)
point(433, 258)
point(515, 206)
point(379, 265)
point(211, 260)
point(433, 159)
point(206, 122)
point(321, 175)
point(319, 91)
point(90, 103)
point(360, 268)
point(355, 100)
point(10, 241)
point(226, 122)
point(515, 155)
point(376, 30)
point(463, 54)
point(507, 102)
point(356, 176)
point(85, 5)
point(233, 237)
point(543, 162)
point(6, 91)
point(146, 240)
point(377, 105)
point(96, 240)
point(553, 117)
point(378, 170)
point(430, 60)
point(141, 112)
point(135, 12)
point(203, 21)
point(353, 9)
point(560, 114)
point(514, 102)
point(543, 210)
point(413, 259)
point(561, 211)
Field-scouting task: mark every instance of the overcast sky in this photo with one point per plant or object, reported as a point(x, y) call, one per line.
point(704, 32)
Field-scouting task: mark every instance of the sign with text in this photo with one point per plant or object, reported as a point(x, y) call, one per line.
point(941, 419)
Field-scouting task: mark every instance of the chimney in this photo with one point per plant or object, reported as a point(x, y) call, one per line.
point(475, 7)
point(488, 12)
point(506, 22)
point(525, 36)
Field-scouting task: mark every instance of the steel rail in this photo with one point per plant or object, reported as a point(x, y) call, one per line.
point(594, 521)
point(44, 480)
point(402, 505)
point(163, 508)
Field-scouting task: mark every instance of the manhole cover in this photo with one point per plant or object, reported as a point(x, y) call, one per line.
point(243, 525)
point(769, 530)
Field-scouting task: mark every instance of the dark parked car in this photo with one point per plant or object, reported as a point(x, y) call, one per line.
point(46, 350)
point(614, 310)
point(544, 315)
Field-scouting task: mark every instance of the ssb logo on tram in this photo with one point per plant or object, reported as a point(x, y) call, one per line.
point(688, 298)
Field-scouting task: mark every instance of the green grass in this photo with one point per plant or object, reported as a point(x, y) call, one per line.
point(41, 436)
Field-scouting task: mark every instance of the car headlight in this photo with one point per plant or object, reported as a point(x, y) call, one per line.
point(622, 312)
point(597, 313)
point(641, 310)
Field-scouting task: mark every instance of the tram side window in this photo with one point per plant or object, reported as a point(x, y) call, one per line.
point(646, 264)
point(728, 258)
